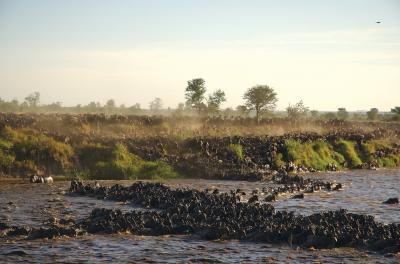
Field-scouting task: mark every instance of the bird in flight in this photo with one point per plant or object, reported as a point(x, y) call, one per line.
point(378, 22)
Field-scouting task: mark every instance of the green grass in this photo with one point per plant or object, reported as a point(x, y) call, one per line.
point(118, 163)
point(386, 162)
point(6, 161)
point(236, 150)
point(45, 151)
point(5, 144)
point(327, 154)
point(390, 161)
point(23, 152)
point(278, 161)
point(368, 149)
point(7, 158)
point(157, 170)
point(316, 155)
point(30, 152)
point(89, 154)
point(348, 150)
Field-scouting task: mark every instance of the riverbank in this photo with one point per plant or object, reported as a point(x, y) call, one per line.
point(24, 152)
point(110, 147)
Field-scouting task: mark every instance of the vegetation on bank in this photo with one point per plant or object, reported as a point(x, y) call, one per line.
point(319, 154)
point(102, 162)
point(23, 152)
point(236, 150)
point(26, 151)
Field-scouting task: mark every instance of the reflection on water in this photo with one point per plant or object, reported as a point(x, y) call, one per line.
point(173, 249)
point(27, 204)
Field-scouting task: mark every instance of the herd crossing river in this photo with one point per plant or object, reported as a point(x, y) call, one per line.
point(40, 205)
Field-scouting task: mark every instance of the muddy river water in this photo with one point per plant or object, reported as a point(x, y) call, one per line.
point(36, 204)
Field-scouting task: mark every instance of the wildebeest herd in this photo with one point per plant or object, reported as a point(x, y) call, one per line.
point(212, 214)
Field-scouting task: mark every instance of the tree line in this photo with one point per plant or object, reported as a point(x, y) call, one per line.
point(259, 101)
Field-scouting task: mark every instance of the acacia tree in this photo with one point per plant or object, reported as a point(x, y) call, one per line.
point(314, 113)
point(215, 100)
point(373, 114)
point(297, 111)
point(194, 94)
point(242, 110)
point(33, 100)
point(134, 108)
point(180, 109)
point(342, 113)
point(156, 104)
point(110, 105)
point(260, 98)
point(395, 110)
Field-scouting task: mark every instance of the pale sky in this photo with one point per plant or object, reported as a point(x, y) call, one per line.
point(329, 54)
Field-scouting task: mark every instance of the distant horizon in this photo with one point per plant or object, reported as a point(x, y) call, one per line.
point(164, 108)
point(329, 54)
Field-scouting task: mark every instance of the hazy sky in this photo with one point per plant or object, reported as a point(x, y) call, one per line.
point(330, 54)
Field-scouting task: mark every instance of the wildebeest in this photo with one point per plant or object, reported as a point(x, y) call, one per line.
point(39, 179)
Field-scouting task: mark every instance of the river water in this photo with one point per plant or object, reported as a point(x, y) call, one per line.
point(34, 204)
